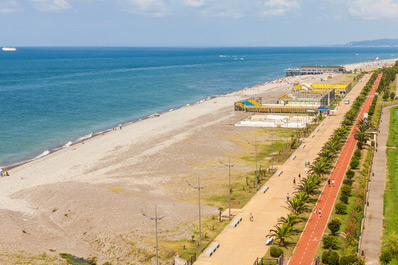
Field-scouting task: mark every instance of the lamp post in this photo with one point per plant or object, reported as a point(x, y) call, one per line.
point(255, 148)
point(272, 156)
point(287, 138)
point(229, 165)
point(156, 219)
point(200, 221)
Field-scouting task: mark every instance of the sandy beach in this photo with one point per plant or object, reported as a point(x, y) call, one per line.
point(88, 199)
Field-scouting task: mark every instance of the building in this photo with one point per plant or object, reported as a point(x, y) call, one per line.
point(314, 70)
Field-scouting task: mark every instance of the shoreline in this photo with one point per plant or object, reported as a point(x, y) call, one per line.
point(52, 149)
point(88, 198)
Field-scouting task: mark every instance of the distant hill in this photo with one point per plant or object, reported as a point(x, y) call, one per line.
point(375, 43)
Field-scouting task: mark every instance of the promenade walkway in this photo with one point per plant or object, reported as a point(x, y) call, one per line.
point(371, 239)
point(243, 244)
point(313, 231)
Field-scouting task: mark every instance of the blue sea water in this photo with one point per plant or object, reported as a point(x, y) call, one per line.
point(50, 96)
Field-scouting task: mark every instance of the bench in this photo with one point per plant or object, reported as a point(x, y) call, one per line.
point(211, 249)
point(269, 241)
point(279, 173)
point(317, 130)
point(264, 189)
point(312, 136)
point(293, 157)
point(321, 124)
point(303, 146)
point(235, 222)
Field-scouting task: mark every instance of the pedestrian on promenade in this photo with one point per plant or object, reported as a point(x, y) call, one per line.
point(299, 177)
point(308, 163)
point(251, 217)
point(294, 180)
point(320, 213)
point(329, 182)
point(287, 196)
point(314, 210)
point(333, 182)
point(305, 163)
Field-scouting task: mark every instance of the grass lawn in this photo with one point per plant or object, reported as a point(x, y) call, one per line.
point(391, 191)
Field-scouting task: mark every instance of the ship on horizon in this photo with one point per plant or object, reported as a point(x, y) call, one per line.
point(9, 49)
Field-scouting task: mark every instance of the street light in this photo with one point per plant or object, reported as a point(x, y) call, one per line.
point(156, 219)
point(255, 148)
point(229, 165)
point(272, 156)
point(200, 222)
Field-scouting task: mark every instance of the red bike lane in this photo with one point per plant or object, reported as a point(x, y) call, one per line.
point(313, 231)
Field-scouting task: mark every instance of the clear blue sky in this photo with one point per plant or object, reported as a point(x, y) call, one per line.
point(195, 22)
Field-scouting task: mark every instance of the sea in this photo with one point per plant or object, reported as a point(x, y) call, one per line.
point(52, 97)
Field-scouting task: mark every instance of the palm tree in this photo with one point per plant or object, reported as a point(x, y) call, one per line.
point(328, 154)
point(302, 196)
point(363, 123)
point(320, 167)
point(362, 138)
point(296, 206)
point(308, 185)
point(291, 220)
point(281, 232)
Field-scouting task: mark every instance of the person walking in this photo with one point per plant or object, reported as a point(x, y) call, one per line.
point(299, 177)
point(314, 210)
point(329, 182)
point(294, 180)
point(287, 196)
point(251, 217)
point(320, 213)
point(333, 182)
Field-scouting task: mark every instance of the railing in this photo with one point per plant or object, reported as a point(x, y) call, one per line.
point(269, 261)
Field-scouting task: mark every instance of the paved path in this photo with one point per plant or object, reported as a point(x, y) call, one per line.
point(243, 244)
point(312, 235)
point(371, 239)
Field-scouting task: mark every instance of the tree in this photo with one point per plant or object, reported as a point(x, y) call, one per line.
point(290, 220)
point(320, 167)
point(296, 206)
point(392, 95)
point(361, 137)
point(282, 232)
point(334, 225)
point(308, 186)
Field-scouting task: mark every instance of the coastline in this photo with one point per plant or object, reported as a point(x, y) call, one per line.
point(52, 149)
point(96, 189)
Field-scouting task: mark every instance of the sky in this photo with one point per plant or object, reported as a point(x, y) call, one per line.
point(195, 23)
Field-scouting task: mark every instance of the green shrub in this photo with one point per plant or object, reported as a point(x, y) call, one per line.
point(325, 256)
point(330, 242)
point(334, 225)
point(344, 198)
point(393, 262)
point(348, 182)
point(341, 208)
point(357, 153)
point(346, 190)
point(385, 257)
point(350, 174)
point(333, 258)
point(354, 163)
point(275, 251)
point(350, 259)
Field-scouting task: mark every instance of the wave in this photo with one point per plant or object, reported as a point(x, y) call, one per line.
point(68, 144)
point(42, 154)
point(85, 137)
